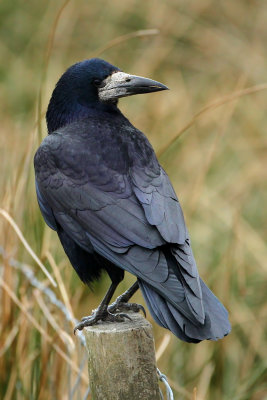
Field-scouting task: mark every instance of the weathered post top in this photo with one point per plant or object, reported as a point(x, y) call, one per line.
point(122, 362)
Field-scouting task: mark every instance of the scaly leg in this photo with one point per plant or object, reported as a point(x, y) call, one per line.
point(102, 312)
point(121, 303)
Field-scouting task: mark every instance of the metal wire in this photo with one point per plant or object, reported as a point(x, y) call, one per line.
point(29, 274)
point(164, 379)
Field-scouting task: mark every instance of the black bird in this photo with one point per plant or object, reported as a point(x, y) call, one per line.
point(101, 188)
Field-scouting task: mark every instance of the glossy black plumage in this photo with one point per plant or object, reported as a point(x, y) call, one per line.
point(100, 186)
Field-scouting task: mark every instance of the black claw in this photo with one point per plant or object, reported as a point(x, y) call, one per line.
point(78, 327)
point(120, 305)
point(143, 310)
point(124, 316)
point(100, 315)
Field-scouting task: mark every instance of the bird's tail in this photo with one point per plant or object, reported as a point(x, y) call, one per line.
point(216, 324)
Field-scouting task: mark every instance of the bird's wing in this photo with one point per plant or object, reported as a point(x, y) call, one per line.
point(125, 217)
point(74, 182)
point(159, 201)
point(155, 193)
point(46, 210)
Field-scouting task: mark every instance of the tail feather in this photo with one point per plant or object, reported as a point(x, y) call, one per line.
point(216, 324)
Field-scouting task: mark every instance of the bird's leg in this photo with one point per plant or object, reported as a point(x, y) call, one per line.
point(121, 303)
point(102, 312)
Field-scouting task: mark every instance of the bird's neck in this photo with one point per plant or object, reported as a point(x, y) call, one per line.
point(62, 113)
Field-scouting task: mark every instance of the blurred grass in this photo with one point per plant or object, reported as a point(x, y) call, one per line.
point(205, 51)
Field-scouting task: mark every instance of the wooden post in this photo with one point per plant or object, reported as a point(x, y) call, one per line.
point(122, 362)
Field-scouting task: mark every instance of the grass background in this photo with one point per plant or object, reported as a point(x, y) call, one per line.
point(209, 131)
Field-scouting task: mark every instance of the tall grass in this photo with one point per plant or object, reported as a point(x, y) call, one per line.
point(210, 133)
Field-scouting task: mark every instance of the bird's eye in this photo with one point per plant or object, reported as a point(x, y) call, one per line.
point(97, 82)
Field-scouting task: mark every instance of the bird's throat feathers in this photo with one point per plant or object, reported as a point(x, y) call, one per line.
point(63, 110)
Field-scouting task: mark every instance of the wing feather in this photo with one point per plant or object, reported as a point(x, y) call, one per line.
point(129, 215)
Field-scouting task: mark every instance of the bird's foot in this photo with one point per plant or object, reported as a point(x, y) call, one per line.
point(101, 314)
point(119, 305)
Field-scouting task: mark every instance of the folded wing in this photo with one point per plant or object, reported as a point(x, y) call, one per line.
point(129, 214)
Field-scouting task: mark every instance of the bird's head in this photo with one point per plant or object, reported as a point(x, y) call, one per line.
point(92, 85)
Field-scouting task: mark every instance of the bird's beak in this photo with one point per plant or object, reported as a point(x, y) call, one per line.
point(120, 84)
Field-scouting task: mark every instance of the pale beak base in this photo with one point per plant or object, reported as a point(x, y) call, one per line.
point(120, 84)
